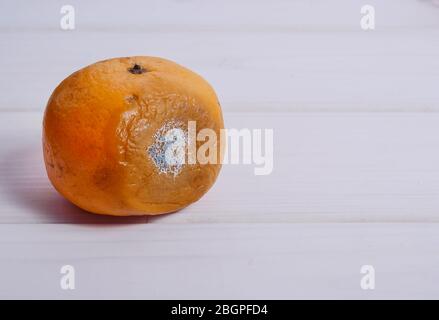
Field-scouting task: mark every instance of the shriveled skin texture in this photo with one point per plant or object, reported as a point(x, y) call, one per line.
point(100, 123)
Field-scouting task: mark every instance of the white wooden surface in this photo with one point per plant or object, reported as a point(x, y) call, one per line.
point(337, 167)
point(220, 261)
point(356, 161)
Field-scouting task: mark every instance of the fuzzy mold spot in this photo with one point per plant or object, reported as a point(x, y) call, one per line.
point(168, 152)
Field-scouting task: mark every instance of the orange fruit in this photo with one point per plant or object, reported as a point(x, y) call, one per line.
point(108, 128)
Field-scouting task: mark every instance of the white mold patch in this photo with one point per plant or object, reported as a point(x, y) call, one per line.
point(169, 149)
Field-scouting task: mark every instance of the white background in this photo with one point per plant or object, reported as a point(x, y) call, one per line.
point(356, 166)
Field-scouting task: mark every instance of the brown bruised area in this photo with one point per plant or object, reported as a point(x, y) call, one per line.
point(99, 123)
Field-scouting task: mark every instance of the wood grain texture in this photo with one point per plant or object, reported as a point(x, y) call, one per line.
point(205, 261)
point(327, 167)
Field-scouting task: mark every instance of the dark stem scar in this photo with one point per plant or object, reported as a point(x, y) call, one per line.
point(137, 69)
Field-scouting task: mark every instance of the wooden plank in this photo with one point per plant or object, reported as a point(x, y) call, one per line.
point(199, 261)
point(350, 167)
point(198, 15)
point(296, 71)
